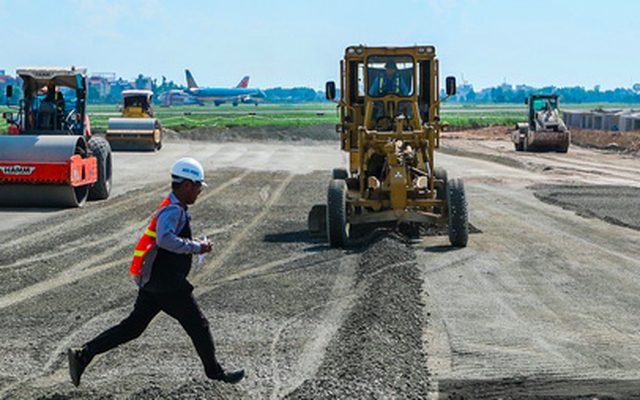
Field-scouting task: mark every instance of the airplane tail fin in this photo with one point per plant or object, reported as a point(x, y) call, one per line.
point(191, 83)
point(244, 83)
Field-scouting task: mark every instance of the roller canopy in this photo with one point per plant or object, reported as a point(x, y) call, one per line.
point(63, 76)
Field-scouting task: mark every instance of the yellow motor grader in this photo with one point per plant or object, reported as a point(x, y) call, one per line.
point(390, 126)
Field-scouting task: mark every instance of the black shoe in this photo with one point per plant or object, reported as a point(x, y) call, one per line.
point(78, 361)
point(230, 377)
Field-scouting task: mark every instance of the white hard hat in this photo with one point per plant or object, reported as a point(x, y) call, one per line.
point(188, 168)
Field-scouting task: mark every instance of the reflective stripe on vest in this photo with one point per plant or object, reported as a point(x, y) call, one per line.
point(396, 89)
point(147, 241)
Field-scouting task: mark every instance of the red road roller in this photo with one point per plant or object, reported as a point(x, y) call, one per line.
point(49, 158)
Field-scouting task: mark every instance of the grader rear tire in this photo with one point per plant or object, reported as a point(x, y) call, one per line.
point(337, 227)
point(458, 216)
point(102, 151)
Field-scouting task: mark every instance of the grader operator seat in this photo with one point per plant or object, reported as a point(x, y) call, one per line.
point(47, 116)
point(389, 87)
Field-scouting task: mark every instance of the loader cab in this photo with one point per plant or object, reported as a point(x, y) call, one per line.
point(53, 102)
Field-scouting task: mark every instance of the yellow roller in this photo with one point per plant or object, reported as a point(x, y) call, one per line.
point(136, 129)
point(134, 134)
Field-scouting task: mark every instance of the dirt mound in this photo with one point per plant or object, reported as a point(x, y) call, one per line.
point(606, 140)
point(319, 132)
point(626, 142)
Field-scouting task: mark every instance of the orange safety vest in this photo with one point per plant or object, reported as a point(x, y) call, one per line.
point(147, 241)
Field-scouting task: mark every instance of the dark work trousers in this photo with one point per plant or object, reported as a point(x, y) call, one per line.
point(181, 306)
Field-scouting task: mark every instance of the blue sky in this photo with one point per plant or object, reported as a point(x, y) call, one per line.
point(299, 43)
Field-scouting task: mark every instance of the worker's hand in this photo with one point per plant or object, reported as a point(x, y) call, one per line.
point(205, 246)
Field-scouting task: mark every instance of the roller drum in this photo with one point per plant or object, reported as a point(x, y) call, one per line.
point(134, 133)
point(38, 195)
point(41, 149)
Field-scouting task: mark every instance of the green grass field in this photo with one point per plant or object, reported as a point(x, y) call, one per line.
point(301, 115)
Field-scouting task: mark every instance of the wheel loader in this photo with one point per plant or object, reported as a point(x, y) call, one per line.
point(545, 130)
point(390, 126)
point(49, 158)
point(137, 129)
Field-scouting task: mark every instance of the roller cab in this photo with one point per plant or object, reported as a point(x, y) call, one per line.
point(136, 129)
point(49, 158)
point(545, 130)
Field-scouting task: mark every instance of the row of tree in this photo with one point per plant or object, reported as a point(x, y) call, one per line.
point(465, 94)
point(516, 94)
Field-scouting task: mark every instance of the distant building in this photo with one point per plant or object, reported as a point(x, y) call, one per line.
point(617, 120)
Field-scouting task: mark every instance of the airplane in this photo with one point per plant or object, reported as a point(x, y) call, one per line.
point(239, 94)
point(177, 96)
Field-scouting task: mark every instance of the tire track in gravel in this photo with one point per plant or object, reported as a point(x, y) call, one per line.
point(104, 211)
point(83, 270)
point(108, 209)
point(209, 267)
point(59, 375)
point(313, 352)
point(49, 372)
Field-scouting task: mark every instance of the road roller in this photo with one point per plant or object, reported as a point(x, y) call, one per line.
point(390, 128)
point(137, 129)
point(49, 157)
point(545, 130)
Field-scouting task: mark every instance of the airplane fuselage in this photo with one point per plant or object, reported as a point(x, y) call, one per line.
point(224, 95)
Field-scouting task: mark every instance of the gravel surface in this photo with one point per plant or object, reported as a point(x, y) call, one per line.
point(304, 320)
point(542, 303)
point(322, 132)
point(619, 205)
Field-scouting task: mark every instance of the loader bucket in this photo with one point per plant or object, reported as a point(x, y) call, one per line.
point(317, 221)
point(134, 134)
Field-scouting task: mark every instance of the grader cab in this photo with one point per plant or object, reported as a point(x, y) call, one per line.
point(390, 126)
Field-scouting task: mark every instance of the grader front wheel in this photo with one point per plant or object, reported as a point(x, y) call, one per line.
point(337, 227)
point(458, 217)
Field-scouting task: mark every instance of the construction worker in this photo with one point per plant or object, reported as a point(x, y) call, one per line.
point(160, 267)
point(389, 82)
point(51, 108)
